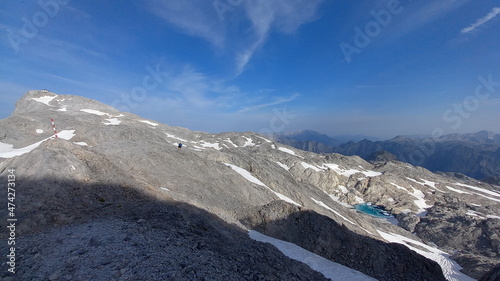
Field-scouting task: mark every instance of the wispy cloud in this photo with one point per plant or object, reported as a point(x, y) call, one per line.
point(283, 15)
point(196, 18)
point(376, 86)
point(196, 90)
point(419, 14)
point(493, 13)
point(199, 18)
point(277, 101)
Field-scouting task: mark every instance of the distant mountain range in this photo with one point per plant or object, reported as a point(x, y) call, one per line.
point(475, 154)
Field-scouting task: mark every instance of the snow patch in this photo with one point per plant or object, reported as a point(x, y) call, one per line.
point(283, 166)
point(359, 200)
point(231, 142)
point(493, 217)
point(483, 190)
point(343, 172)
point(39, 131)
point(210, 145)
point(451, 269)
point(289, 151)
point(45, 99)
point(309, 166)
point(8, 150)
point(266, 140)
point(320, 203)
point(112, 121)
point(399, 187)
point(487, 197)
point(248, 142)
point(350, 172)
point(426, 183)
point(175, 137)
point(474, 214)
point(343, 189)
point(149, 123)
point(420, 202)
point(457, 190)
point(329, 269)
point(164, 189)
point(371, 174)
point(336, 199)
point(66, 134)
point(246, 174)
point(96, 112)
point(82, 143)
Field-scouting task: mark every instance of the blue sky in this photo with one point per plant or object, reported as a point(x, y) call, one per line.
point(378, 68)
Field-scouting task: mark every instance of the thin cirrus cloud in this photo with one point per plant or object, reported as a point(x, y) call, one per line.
point(414, 16)
point(277, 101)
point(492, 14)
point(191, 89)
point(196, 18)
point(284, 16)
point(200, 18)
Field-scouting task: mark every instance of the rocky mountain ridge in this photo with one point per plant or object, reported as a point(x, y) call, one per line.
point(476, 155)
point(115, 165)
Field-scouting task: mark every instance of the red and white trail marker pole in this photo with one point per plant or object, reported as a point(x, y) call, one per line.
point(54, 127)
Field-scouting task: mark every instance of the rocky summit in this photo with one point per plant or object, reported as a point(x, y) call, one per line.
point(113, 197)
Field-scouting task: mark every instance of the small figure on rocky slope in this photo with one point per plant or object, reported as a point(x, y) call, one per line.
point(180, 145)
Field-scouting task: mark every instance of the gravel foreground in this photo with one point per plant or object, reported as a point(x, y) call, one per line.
point(164, 243)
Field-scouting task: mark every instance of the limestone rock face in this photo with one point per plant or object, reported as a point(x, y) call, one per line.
point(116, 166)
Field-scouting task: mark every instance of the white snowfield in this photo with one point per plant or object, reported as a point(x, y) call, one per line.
point(95, 112)
point(426, 183)
point(45, 99)
point(8, 150)
point(246, 174)
point(248, 142)
point(230, 142)
point(309, 166)
point(457, 190)
point(336, 168)
point(420, 202)
point(320, 203)
point(289, 151)
point(112, 121)
point(329, 269)
point(350, 172)
point(266, 140)
point(175, 137)
point(149, 123)
point(283, 166)
point(215, 145)
point(486, 191)
point(451, 269)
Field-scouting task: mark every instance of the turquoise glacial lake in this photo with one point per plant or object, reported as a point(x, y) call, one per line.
point(372, 210)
